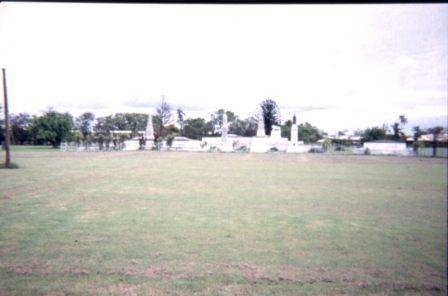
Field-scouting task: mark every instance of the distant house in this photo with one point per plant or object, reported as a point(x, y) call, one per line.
point(386, 147)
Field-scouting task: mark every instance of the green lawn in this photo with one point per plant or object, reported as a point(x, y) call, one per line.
point(157, 223)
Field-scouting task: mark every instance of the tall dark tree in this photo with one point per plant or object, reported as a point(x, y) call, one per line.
point(403, 121)
point(396, 131)
point(85, 123)
point(271, 115)
point(418, 132)
point(286, 129)
point(19, 125)
point(162, 119)
point(180, 118)
point(52, 127)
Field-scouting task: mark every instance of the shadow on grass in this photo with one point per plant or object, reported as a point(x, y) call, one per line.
point(12, 165)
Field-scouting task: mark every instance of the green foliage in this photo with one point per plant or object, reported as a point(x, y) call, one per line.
point(195, 128)
point(374, 134)
point(244, 128)
point(52, 127)
point(271, 115)
point(242, 149)
point(217, 119)
point(121, 121)
point(286, 129)
point(84, 123)
point(19, 124)
point(309, 133)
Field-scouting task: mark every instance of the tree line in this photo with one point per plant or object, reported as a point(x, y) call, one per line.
point(54, 127)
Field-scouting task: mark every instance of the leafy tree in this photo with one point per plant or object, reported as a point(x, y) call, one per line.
point(162, 119)
point(244, 128)
point(195, 128)
point(286, 129)
point(271, 115)
point(19, 125)
point(104, 125)
point(135, 122)
point(309, 133)
point(374, 134)
point(52, 127)
point(85, 123)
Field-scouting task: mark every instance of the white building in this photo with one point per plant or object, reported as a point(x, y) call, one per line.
point(386, 147)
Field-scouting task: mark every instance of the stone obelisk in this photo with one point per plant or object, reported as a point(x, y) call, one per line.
point(149, 129)
point(294, 131)
point(260, 129)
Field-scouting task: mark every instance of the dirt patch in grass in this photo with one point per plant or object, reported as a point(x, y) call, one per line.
point(78, 272)
point(20, 270)
point(124, 289)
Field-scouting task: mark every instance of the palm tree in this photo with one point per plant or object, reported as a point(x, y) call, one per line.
point(180, 119)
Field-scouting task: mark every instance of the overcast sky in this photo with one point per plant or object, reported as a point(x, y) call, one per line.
point(335, 66)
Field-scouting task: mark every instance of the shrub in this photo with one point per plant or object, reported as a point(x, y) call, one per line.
point(169, 140)
point(316, 150)
point(213, 149)
point(339, 148)
point(242, 149)
point(367, 151)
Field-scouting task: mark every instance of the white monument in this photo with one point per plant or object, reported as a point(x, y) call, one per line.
point(260, 129)
point(276, 132)
point(296, 146)
point(225, 145)
point(149, 134)
point(260, 143)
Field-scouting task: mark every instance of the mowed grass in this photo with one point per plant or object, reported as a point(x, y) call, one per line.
point(171, 223)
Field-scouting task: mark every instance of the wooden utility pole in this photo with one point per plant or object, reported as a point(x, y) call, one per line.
point(5, 106)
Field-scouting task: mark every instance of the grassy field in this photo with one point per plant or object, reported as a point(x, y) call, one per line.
point(149, 223)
